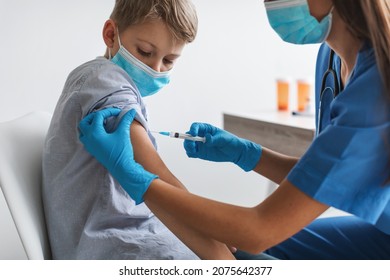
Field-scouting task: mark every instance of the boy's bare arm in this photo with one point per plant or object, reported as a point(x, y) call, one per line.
point(147, 156)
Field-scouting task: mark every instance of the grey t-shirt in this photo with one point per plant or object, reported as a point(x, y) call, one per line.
point(88, 214)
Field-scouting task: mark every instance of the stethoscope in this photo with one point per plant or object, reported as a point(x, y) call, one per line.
point(325, 90)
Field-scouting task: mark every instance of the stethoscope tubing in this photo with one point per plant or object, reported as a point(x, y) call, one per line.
point(332, 72)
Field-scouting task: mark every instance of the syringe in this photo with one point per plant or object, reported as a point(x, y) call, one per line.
point(182, 136)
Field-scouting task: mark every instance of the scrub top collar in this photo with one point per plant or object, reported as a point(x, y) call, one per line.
point(365, 53)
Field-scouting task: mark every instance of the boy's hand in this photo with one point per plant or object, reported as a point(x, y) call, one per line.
point(222, 146)
point(115, 152)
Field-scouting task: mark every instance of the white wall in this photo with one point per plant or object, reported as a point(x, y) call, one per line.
point(231, 66)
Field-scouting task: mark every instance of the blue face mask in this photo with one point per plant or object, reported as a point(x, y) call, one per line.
point(292, 20)
point(147, 80)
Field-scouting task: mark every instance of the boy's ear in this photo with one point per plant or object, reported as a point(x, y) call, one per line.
point(109, 32)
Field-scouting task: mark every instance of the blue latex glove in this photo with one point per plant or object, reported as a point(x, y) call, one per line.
point(222, 146)
point(115, 152)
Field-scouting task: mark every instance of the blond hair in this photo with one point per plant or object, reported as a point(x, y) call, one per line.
point(179, 15)
point(369, 20)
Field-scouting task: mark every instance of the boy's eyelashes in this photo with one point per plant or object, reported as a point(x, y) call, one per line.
point(149, 54)
point(144, 53)
point(168, 61)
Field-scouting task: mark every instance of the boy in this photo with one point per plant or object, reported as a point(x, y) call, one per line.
point(88, 214)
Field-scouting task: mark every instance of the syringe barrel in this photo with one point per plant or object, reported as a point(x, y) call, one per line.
point(187, 136)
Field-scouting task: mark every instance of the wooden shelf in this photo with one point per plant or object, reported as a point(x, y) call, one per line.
point(279, 131)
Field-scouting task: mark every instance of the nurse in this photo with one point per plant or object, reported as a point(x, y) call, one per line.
point(346, 167)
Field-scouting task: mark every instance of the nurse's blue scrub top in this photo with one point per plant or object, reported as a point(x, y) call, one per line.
point(347, 165)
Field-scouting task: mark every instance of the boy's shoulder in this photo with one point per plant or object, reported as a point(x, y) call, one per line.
point(99, 64)
point(99, 72)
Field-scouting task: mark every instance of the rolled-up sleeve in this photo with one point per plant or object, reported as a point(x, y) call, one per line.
point(109, 86)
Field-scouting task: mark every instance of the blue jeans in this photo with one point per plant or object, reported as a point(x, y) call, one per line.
point(336, 238)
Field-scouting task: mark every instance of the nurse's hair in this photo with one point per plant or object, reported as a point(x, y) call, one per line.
point(179, 15)
point(370, 20)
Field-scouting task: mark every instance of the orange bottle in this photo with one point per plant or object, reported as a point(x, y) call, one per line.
point(283, 94)
point(303, 93)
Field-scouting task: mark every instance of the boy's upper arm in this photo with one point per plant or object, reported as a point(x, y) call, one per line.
point(146, 155)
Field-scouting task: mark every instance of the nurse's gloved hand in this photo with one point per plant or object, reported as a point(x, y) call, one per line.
point(115, 152)
point(222, 146)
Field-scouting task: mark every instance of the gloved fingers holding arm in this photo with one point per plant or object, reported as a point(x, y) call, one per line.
point(96, 120)
point(115, 152)
point(222, 146)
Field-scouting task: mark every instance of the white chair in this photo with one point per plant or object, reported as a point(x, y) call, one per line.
point(21, 144)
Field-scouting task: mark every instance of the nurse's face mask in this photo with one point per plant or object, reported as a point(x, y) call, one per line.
point(147, 80)
point(292, 20)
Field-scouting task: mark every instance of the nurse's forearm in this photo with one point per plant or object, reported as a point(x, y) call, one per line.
point(202, 245)
point(275, 166)
point(282, 214)
point(216, 220)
